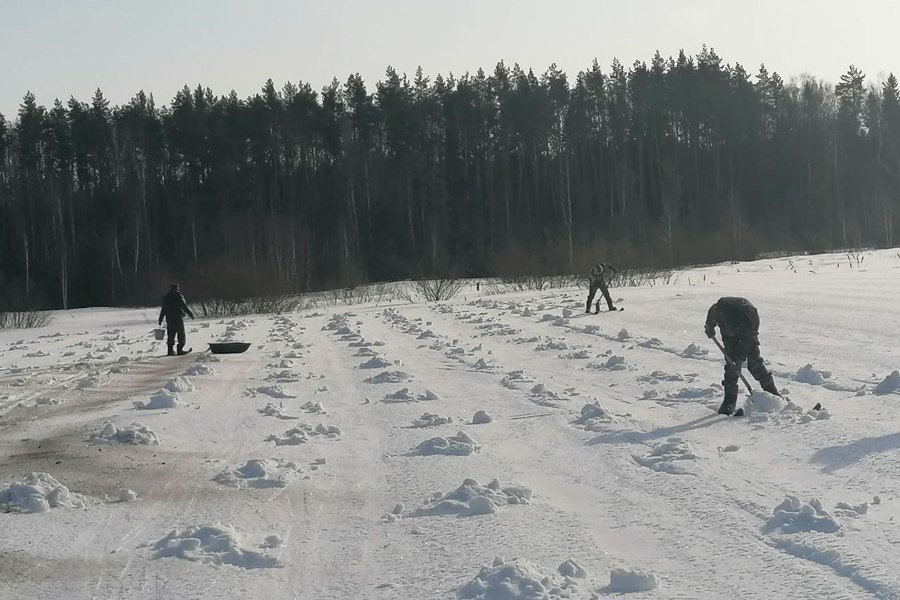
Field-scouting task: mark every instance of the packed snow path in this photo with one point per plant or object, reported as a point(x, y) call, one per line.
point(603, 470)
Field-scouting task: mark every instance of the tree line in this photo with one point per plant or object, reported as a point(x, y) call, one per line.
point(676, 161)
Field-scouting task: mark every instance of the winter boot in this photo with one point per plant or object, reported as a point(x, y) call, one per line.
point(728, 404)
point(587, 307)
point(769, 386)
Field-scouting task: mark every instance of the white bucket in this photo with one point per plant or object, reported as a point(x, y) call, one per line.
point(160, 334)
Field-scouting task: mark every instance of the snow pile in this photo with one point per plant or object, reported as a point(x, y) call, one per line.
point(214, 545)
point(482, 418)
point(765, 403)
point(890, 385)
point(795, 516)
point(273, 391)
point(514, 378)
point(541, 396)
point(160, 400)
point(515, 580)
point(196, 370)
point(376, 362)
point(613, 363)
point(577, 355)
point(481, 365)
point(180, 384)
point(458, 445)
point(389, 377)
point(276, 410)
point(38, 492)
point(472, 498)
point(136, 433)
point(302, 433)
point(127, 495)
point(551, 345)
point(401, 395)
point(431, 420)
point(314, 408)
point(623, 335)
point(694, 393)
point(651, 343)
point(845, 509)
point(656, 376)
point(260, 473)
point(593, 417)
point(631, 580)
point(694, 351)
point(811, 376)
point(665, 456)
point(570, 568)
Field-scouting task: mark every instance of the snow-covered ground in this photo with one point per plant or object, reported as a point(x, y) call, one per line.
point(341, 456)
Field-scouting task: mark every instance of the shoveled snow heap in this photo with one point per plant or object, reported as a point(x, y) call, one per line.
point(390, 377)
point(472, 498)
point(260, 473)
point(38, 492)
point(196, 370)
point(214, 545)
point(593, 417)
point(431, 420)
point(514, 580)
point(376, 362)
point(160, 400)
point(667, 457)
point(302, 433)
point(278, 411)
point(180, 384)
point(136, 433)
point(631, 580)
point(795, 516)
point(764, 402)
point(458, 445)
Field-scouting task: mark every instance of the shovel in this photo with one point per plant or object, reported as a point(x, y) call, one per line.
point(733, 366)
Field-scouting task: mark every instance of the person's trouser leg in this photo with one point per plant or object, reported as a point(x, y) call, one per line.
point(182, 337)
point(591, 294)
point(757, 368)
point(170, 339)
point(605, 290)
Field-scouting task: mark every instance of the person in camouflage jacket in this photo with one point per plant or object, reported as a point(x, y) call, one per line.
point(738, 320)
point(599, 278)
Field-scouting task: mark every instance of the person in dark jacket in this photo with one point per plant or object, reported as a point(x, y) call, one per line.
point(600, 274)
point(738, 320)
point(174, 308)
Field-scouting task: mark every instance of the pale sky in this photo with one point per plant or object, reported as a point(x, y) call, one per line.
point(61, 48)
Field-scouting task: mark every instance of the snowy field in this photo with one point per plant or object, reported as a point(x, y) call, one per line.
point(341, 456)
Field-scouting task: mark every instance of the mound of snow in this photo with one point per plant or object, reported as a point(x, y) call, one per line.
point(274, 391)
point(376, 362)
point(127, 495)
point(277, 411)
point(570, 568)
point(514, 378)
point(516, 580)
point(890, 385)
point(541, 396)
point(795, 516)
point(215, 545)
point(613, 363)
point(458, 445)
point(38, 492)
point(651, 343)
point(259, 473)
point(180, 384)
point(811, 376)
point(593, 417)
point(764, 402)
point(136, 433)
point(847, 510)
point(314, 408)
point(694, 351)
point(551, 345)
point(401, 395)
point(160, 400)
point(631, 580)
point(196, 370)
point(481, 365)
point(694, 393)
point(389, 377)
point(665, 456)
point(302, 433)
point(482, 418)
point(624, 335)
point(472, 498)
point(430, 420)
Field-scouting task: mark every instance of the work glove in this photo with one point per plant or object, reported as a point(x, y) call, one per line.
point(710, 332)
